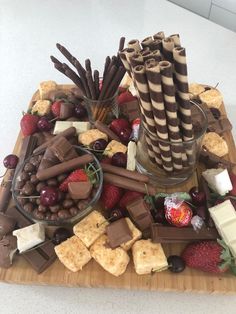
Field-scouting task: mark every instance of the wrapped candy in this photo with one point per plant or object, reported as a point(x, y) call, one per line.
point(177, 212)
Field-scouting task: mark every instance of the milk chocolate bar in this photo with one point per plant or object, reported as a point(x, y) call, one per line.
point(166, 234)
point(66, 110)
point(66, 166)
point(80, 190)
point(118, 233)
point(220, 126)
point(68, 133)
point(212, 161)
point(40, 258)
point(140, 214)
point(49, 159)
point(63, 150)
point(7, 224)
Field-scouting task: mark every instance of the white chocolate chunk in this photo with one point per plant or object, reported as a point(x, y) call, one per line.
point(228, 231)
point(29, 237)
point(218, 180)
point(222, 213)
point(81, 126)
point(131, 156)
point(61, 126)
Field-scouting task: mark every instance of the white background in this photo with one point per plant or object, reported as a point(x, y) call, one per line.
point(29, 31)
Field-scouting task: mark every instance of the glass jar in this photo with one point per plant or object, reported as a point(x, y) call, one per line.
point(152, 162)
point(102, 110)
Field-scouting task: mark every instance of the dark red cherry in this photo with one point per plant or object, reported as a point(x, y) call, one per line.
point(80, 111)
point(176, 263)
point(119, 160)
point(198, 197)
point(125, 135)
point(49, 196)
point(60, 235)
point(100, 144)
point(115, 214)
point(44, 124)
point(10, 161)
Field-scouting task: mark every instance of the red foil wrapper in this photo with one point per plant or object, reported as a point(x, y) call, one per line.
point(177, 212)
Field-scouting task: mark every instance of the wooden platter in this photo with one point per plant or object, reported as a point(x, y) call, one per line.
point(93, 275)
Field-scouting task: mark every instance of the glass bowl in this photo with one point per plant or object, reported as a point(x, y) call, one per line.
point(95, 166)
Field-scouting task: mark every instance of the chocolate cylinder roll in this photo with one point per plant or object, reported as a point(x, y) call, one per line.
point(156, 44)
point(155, 88)
point(124, 60)
point(134, 43)
point(156, 55)
point(171, 112)
point(159, 35)
point(176, 39)
point(181, 77)
point(153, 151)
point(136, 59)
point(147, 41)
point(167, 48)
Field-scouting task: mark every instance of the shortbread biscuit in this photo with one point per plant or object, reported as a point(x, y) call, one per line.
point(45, 88)
point(90, 136)
point(195, 89)
point(136, 235)
point(90, 228)
point(148, 257)
point(212, 98)
point(114, 147)
point(41, 107)
point(215, 144)
point(73, 254)
point(114, 261)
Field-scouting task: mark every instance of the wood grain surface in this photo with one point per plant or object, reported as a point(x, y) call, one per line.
point(93, 275)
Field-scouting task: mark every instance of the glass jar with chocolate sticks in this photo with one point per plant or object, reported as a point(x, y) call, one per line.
point(99, 95)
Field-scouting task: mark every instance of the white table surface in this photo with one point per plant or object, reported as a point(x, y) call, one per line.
point(29, 31)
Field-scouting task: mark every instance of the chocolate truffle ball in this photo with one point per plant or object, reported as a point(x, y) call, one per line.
point(34, 179)
point(28, 207)
point(67, 204)
point(63, 214)
point(52, 182)
point(28, 189)
point(29, 167)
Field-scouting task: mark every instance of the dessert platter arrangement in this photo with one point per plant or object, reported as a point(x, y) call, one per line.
point(77, 207)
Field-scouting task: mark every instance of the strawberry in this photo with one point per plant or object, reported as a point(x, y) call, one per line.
point(125, 97)
point(28, 124)
point(111, 195)
point(118, 125)
point(56, 107)
point(208, 256)
point(128, 197)
point(78, 175)
point(233, 181)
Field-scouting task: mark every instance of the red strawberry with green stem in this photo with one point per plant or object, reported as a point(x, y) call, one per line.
point(209, 256)
point(125, 97)
point(111, 195)
point(56, 107)
point(78, 175)
point(28, 124)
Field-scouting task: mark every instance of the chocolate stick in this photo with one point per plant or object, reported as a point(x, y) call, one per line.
point(5, 190)
point(107, 63)
point(91, 84)
point(66, 54)
point(96, 82)
point(129, 184)
point(108, 80)
point(134, 175)
point(73, 76)
point(88, 65)
point(66, 166)
point(82, 74)
point(121, 43)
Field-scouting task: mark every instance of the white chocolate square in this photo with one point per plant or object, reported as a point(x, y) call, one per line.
point(222, 213)
point(29, 236)
point(81, 126)
point(61, 126)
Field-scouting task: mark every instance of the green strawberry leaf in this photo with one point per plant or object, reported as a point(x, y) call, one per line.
point(233, 269)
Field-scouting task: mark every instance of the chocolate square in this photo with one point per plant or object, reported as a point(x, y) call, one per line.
point(63, 150)
point(118, 232)
point(66, 110)
point(137, 209)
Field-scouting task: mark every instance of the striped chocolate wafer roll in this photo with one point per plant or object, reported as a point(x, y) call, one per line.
point(171, 112)
point(124, 60)
point(134, 43)
point(181, 80)
point(156, 54)
point(147, 41)
point(159, 35)
point(153, 152)
point(156, 44)
point(176, 39)
point(167, 48)
point(155, 88)
point(136, 59)
point(145, 101)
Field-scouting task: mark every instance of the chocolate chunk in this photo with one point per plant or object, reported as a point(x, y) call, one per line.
point(5, 190)
point(66, 110)
point(40, 258)
point(166, 234)
point(213, 161)
point(7, 224)
point(118, 232)
point(80, 190)
point(8, 247)
point(140, 213)
point(220, 126)
point(49, 159)
point(63, 150)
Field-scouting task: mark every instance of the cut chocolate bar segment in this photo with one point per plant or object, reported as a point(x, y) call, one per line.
point(80, 190)
point(118, 232)
point(63, 150)
point(166, 234)
point(8, 248)
point(140, 213)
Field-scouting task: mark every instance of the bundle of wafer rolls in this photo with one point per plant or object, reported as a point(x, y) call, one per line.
point(99, 97)
point(158, 68)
